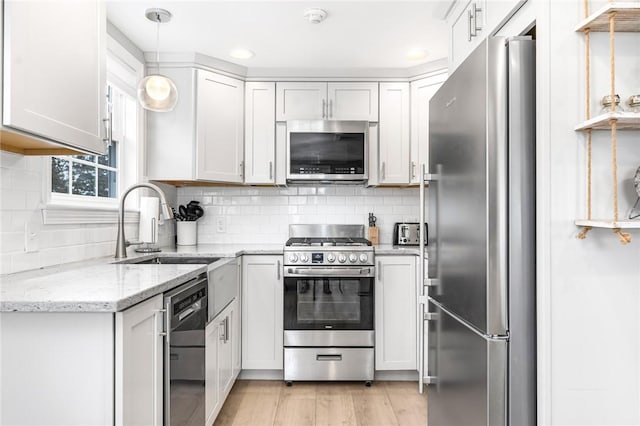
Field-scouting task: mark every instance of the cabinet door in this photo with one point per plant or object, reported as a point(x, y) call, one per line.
point(219, 128)
point(352, 101)
point(467, 31)
point(301, 101)
point(212, 398)
point(260, 133)
point(396, 321)
point(421, 93)
point(393, 140)
point(236, 328)
point(225, 352)
point(54, 70)
point(262, 311)
point(139, 364)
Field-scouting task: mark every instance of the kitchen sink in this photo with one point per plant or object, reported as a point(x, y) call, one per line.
point(173, 260)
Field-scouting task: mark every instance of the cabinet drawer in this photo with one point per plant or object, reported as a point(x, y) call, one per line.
point(328, 363)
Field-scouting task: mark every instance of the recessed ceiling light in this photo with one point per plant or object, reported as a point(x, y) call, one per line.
point(416, 54)
point(242, 53)
point(315, 15)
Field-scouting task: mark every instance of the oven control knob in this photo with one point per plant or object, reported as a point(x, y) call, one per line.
point(304, 258)
point(331, 258)
point(342, 258)
point(353, 258)
point(293, 258)
point(364, 258)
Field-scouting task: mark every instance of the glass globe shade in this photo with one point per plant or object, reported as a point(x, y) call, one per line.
point(157, 93)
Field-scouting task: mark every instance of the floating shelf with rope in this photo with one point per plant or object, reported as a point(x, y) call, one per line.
point(620, 17)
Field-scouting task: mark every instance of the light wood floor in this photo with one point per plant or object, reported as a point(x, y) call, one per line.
point(266, 403)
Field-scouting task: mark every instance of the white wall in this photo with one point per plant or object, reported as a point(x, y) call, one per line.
point(262, 215)
point(22, 190)
point(589, 290)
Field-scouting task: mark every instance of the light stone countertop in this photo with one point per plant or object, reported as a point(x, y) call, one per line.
point(100, 285)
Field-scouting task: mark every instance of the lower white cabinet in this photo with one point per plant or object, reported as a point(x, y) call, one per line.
point(139, 364)
point(262, 312)
point(75, 368)
point(396, 313)
point(220, 373)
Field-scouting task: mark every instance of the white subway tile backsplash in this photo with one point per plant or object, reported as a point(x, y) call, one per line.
point(262, 215)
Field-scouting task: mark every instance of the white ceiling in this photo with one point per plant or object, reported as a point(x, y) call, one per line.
point(356, 34)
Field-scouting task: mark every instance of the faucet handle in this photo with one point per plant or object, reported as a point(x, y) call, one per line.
point(128, 243)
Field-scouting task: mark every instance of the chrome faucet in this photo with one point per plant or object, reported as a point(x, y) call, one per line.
point(122, 243)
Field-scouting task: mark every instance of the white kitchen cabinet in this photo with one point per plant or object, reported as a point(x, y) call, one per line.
point(219, 128)
point(202, 138)
point(219, 368)
point(329, 101)
point(262, 312)
point(421, 92)
point(396, 324)
point(260, 132)
point(75, 368)
point(236, 326)
point(467, 30)
point(393, 142)
point(139, 364)
point(470, 21)
point(54, 76)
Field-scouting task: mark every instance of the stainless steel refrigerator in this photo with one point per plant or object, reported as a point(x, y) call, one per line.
point(480, 203)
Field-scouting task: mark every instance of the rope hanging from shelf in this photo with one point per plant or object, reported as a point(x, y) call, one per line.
point(585, 230)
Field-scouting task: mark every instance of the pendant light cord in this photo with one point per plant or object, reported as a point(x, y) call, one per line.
point(158, 41)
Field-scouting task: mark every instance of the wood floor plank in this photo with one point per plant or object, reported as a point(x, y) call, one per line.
point(335, 410)
point(373, 410)
point(269, 403)
point(296, 410)
point(257, 409)
point(409, 407)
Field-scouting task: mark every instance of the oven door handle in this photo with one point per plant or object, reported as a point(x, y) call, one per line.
point(336, 272)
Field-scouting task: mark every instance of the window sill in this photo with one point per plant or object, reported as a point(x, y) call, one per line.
point(61, 214)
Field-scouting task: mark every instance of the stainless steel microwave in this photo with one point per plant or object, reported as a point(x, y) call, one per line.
point(321, 150)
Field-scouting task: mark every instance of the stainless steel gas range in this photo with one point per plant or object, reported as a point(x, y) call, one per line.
point(328, 304)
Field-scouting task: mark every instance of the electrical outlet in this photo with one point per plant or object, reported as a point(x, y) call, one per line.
point(31, 239)
point(221, 224)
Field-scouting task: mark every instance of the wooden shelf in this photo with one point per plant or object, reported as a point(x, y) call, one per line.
point(627, 18)
point(625, 121)
point(609, 224)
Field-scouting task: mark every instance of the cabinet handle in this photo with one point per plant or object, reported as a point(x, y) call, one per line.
point(382, 171)
point(242, 169)
point(324, 108)
point(108, 130)
point(473, 20)
point(469, 25)
point(223, 336)
point(270, 170)
point(413, 170)
point(227, 330)
point(278, 270)
point(330, 108)
point(167, 321)
point(379, 272)
point(155, 313)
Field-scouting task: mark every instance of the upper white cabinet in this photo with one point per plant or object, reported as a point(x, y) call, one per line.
point(260, 133)
point(471, 21)
point(396, 313)
point(202, 139)
point(393, 143)
point(139, 364)
point(262, 312)
point(219, 128)
point(328, 101)
point(421, 92)
point(54, 76)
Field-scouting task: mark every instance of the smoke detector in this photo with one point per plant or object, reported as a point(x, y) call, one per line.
point(315, 16)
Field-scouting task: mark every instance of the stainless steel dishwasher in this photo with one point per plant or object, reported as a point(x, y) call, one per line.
point(184, 356)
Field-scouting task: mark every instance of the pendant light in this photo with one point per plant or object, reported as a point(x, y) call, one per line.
point(157, 92)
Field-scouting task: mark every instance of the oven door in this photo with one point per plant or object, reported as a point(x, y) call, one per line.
point(328, 298)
